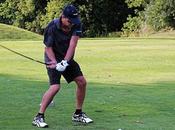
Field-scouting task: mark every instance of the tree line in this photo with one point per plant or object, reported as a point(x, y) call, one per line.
point(99, 17)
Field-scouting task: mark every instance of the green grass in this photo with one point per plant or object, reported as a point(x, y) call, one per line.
point(130, 85)
point(168, 34)
point(11, 33)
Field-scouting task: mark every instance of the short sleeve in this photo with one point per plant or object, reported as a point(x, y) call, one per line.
point(48, 37)
point(77, 30)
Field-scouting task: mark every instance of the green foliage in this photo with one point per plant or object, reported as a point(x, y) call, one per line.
point(53, 10)
point(170, 7)
point(26, 7)
point(21, 13)
point(99, 17)
point(35, 25)
point(8, 11)
point(134, 3)
point(17, 12)
point(133, 25)
point(157, 14)
point(24, 13)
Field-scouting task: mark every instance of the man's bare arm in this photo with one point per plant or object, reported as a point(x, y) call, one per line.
point(51, 56)
point(72, 47)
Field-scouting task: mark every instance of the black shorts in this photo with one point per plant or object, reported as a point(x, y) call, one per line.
point(71, 72)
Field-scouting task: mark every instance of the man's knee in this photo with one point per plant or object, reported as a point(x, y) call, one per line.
point(81, 81)
point(55, 88)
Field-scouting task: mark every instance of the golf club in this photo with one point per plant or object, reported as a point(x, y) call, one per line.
point(27, 57)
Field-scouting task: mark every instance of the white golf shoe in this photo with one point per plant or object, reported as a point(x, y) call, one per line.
point(39, 122)
point(82, 117)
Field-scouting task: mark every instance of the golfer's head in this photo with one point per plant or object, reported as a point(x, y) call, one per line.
point(70, 15)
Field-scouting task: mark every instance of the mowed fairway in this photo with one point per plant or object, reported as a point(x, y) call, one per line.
point(131, 86)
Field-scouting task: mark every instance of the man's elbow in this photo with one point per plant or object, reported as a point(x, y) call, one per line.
point(48, 48)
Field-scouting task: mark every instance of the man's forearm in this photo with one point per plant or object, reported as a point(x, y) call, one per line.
point(50, 54)
point(72, 47)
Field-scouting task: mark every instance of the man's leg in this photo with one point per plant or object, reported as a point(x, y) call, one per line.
point(47, 98)
point(81, 91)
point(80, 116)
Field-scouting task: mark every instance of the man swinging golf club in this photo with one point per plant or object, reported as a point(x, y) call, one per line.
point(60, 39)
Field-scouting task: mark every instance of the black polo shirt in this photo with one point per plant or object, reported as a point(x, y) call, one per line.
point(57, 39)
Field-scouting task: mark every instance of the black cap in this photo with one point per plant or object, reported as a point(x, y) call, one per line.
point(71, 13)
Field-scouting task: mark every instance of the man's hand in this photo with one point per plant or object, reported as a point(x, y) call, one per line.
point(61, 66)
point(51, 64)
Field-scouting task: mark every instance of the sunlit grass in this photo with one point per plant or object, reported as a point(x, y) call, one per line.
point(130, 85)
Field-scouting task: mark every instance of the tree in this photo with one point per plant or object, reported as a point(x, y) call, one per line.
point(156, 15)
point(7, 11)
point(53, 10)
point(99, 17)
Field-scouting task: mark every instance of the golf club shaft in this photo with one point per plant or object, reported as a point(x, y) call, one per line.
point(24, 55)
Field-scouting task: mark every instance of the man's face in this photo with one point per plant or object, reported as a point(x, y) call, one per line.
point(66, 21)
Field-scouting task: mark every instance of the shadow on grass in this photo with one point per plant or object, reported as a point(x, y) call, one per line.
point(112, 106)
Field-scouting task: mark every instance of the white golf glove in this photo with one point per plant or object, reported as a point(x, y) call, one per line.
point(61, 66)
